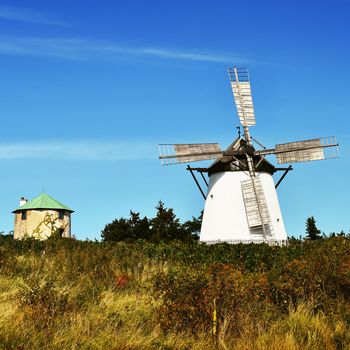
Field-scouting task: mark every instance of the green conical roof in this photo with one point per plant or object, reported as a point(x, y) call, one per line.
point(43, 201)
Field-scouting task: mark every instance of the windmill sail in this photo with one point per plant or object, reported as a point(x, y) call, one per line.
point(308, 150)
point(256, 207)
point(303, 154)
point(303, 151)
point(188, 152)
point(239, 78)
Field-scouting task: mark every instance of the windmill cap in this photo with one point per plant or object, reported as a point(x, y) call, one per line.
point(43, 201)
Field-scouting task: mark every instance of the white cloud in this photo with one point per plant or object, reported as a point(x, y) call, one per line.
point(170, 53)
point(82, 150)
point(29, 16)
point(84, 49)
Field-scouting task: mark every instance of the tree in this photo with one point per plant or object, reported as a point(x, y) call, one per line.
point(193, 227)
point(341, 233)
point(138, 228)
point(312, 232)
point(116, 231)
point(165, 226)
point(129, 230)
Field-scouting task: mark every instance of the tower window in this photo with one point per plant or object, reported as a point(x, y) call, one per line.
point(60, 215)
point(24, 215)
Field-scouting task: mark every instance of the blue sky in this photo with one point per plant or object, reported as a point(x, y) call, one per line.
point(89, 88)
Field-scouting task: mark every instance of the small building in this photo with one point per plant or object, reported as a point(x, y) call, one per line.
point(42, 217)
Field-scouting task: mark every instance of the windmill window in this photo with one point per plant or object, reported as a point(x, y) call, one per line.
point(258, 230)
point(60, 215)
point(24, 215)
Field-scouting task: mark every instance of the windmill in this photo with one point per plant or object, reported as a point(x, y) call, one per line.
point(241, 203)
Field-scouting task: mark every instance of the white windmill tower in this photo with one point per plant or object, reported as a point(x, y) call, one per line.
point(241, 203)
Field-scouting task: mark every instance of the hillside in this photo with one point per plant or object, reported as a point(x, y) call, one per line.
point(68, 294)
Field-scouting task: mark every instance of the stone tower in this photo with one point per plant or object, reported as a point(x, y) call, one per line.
point(42, 217)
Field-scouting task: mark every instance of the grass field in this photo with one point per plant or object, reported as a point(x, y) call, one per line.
point(67, 294)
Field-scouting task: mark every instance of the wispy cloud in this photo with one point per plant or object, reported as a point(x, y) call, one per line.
point(79, 49)
point(82, 150)
point(169, 53)
point(29, 16)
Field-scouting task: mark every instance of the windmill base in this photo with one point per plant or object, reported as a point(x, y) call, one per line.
point(225, 217)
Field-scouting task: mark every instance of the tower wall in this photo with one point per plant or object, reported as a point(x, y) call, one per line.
point(224, 217)
point(41, 224)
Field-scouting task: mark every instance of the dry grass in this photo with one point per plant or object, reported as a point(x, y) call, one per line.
point(124, 321)
point(93, 298)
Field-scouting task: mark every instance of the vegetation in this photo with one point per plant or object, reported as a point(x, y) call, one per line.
point(312, 232)
point(68, 294)
point(164, 227)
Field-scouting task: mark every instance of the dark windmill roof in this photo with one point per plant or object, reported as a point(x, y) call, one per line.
point(238, 162)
